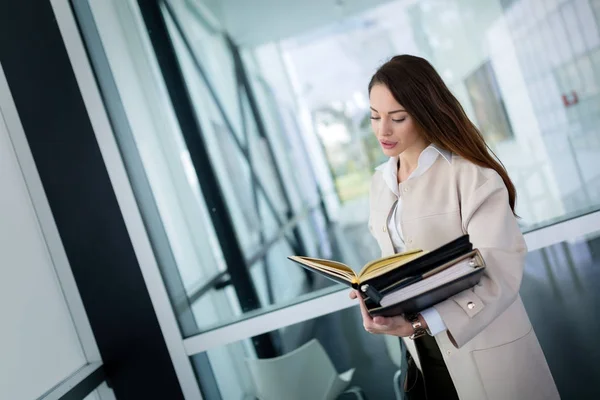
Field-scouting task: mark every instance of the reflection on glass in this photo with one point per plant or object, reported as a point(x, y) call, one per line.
point(560, 286)
point(529, 83)
point(559, 289)
point(315, 353)
point(276, 208)
point(488, 105)
point(286, 125)
point(528, 74)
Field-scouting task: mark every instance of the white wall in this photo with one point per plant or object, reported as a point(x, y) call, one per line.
point(39, 346)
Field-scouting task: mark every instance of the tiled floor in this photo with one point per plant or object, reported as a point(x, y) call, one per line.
point(561, 291)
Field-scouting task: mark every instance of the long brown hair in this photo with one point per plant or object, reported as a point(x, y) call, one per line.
point(417, 86)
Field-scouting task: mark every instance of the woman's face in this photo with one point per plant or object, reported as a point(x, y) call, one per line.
point(393, 126)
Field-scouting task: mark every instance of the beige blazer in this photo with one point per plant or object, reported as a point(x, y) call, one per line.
point(498, 355)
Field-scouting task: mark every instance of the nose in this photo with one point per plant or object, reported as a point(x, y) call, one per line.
point(385, 128)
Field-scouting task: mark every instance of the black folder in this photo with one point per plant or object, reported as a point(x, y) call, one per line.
point(408, 282)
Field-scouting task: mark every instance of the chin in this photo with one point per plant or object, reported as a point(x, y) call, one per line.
point(395, 152)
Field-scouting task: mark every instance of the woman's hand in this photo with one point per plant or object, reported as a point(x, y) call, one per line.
point(397, 326)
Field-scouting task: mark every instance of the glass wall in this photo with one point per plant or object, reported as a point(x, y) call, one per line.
point(332, 348)
point(222, 258)
point(275, 207)
point(281, 121)
point(527, 73)
point(558, 279)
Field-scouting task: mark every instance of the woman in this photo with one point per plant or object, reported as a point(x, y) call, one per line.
point(440, 183)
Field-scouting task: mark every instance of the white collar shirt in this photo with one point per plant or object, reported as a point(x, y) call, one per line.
point(390, 175)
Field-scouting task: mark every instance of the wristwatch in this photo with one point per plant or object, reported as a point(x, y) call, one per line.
point(417, 326)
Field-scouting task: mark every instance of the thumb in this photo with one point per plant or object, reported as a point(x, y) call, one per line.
point(382, 321)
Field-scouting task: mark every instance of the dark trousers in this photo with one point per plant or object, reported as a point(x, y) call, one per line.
point(434, 382)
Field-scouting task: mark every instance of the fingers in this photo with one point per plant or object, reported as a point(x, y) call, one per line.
point(364, 312)
point(397, 326)
point(379, 325)
point(367, 320)
point(369, 323)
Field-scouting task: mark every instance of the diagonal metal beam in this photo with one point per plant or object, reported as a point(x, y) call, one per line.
point(218, 104)
point(262, 131)
point(261, 233)
point(80, 384)
point(245, 151)
point(155, 20)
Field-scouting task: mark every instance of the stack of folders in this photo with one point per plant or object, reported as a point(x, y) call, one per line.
point(409, 282)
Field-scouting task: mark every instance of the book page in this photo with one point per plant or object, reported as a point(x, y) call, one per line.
point(328, 266)
point(383, 265)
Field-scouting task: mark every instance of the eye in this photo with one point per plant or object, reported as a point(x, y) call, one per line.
point(375, 118)
point(399, 120)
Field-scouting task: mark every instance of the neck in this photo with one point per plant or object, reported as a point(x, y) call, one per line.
point(409, 160)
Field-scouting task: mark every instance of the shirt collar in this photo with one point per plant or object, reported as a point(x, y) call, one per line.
point(427, 157)
point(443, 152)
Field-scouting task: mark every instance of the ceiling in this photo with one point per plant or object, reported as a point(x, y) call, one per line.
point(252, 23)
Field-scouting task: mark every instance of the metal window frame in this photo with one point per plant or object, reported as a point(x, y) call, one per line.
point(79, 385)
point(103, 131)
point(90, 376)
point(46, 222)
point(87, 378)
point(246, 90)
point(339, 300)
point(303, 311)
point(156, 24)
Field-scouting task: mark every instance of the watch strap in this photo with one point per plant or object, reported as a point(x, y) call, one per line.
point(418, 328)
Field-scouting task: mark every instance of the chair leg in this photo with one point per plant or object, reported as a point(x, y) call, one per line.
point(398, 385)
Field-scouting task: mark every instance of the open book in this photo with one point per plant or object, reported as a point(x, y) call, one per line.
point(407, 282)
point(337, 270)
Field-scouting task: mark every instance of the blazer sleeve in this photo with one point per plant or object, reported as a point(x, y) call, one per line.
point(493, 229)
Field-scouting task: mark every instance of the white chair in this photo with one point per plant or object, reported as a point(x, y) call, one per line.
point(305, 373)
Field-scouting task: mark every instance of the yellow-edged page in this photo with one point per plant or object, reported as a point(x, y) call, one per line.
point(381, 266)
point(329, 266)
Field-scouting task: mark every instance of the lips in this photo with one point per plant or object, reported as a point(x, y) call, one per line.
point(388, 145)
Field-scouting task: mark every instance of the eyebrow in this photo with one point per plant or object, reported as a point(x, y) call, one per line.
point(391, 112)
